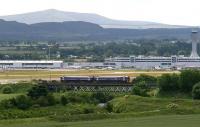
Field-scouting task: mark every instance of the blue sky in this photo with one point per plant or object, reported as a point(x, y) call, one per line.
point(179, 12)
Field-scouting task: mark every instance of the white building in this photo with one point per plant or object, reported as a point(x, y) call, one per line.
point(19, 64)
point(150, 62)
point(77, 65)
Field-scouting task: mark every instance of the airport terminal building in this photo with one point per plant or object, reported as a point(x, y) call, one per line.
point(152, 62)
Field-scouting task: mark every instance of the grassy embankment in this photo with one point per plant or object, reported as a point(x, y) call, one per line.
point(128, 107)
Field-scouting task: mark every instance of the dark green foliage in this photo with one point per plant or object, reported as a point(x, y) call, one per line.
point(37, 91)
point(140, 89)
point(147, 78)
point(22, 102)
point(102, 97)
point(74, 97)
point(109, 107)
point(51, 100)
point(25, 102)
point(98, 50)
point(196, 91)
point(42, 101)
point(63, 100)
point(168, 83)
point(15, 113)
point(82, 97)
point(7, 90)
point(88, 110)
point(20, 87)
point(10, 103)
point(188, 78)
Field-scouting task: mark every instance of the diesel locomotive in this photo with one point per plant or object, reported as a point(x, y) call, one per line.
point(96, 79)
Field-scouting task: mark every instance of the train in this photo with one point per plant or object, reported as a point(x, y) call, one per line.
point(96, 79)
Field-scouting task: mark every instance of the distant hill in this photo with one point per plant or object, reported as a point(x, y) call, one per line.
point(78, 31)
point(53, 15)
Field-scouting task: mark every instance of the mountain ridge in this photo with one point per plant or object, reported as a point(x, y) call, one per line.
point(53, 15)
point(81, 31)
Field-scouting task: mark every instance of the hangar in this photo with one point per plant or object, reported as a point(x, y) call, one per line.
point(26, 64)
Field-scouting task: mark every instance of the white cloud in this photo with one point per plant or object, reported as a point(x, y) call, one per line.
point(183, 12)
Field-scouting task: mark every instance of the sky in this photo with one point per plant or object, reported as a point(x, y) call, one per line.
point(176, 12)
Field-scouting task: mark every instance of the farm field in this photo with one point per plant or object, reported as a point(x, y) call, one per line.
point(18, 75)
point(153, 121)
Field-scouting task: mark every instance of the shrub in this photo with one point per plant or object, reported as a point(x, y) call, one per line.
point(188, 78)
point(196, 91)
point(22, 102)
point(140, 89)
point(88, 110)
point(146, 78)
point(168, 83)
point(74, 98)
point(78, 97)
point(42, 101)
point(102, 97)
point(9, 103)
point(119, 107)
point(63, 100)
point(37, 91)
point(109, 107)
point(21, 87)
point(51, 100)
point(36, 106)
point(7, 90)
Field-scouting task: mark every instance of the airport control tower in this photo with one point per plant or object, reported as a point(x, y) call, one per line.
point(195, 40)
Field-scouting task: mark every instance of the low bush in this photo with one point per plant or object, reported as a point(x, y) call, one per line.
point(63, 100)
point(168, 83)
point(37, 91)
point(140, 89)
point(7, 90)
point(45, 101)
point(8, 103)
point(42, 101)
point(188, 78)
point(20, 87)
point(22, 102)
point(145, 78)
point(102, 97)
point(51, 100)
point(196, 91)
point(78, 97)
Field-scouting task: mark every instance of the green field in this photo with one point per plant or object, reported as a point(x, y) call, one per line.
point(155, 121)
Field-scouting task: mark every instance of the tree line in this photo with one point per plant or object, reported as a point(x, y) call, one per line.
point(97, 51)
point(187, 82)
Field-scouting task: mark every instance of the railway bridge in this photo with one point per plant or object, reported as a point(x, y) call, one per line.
point(92, 87)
